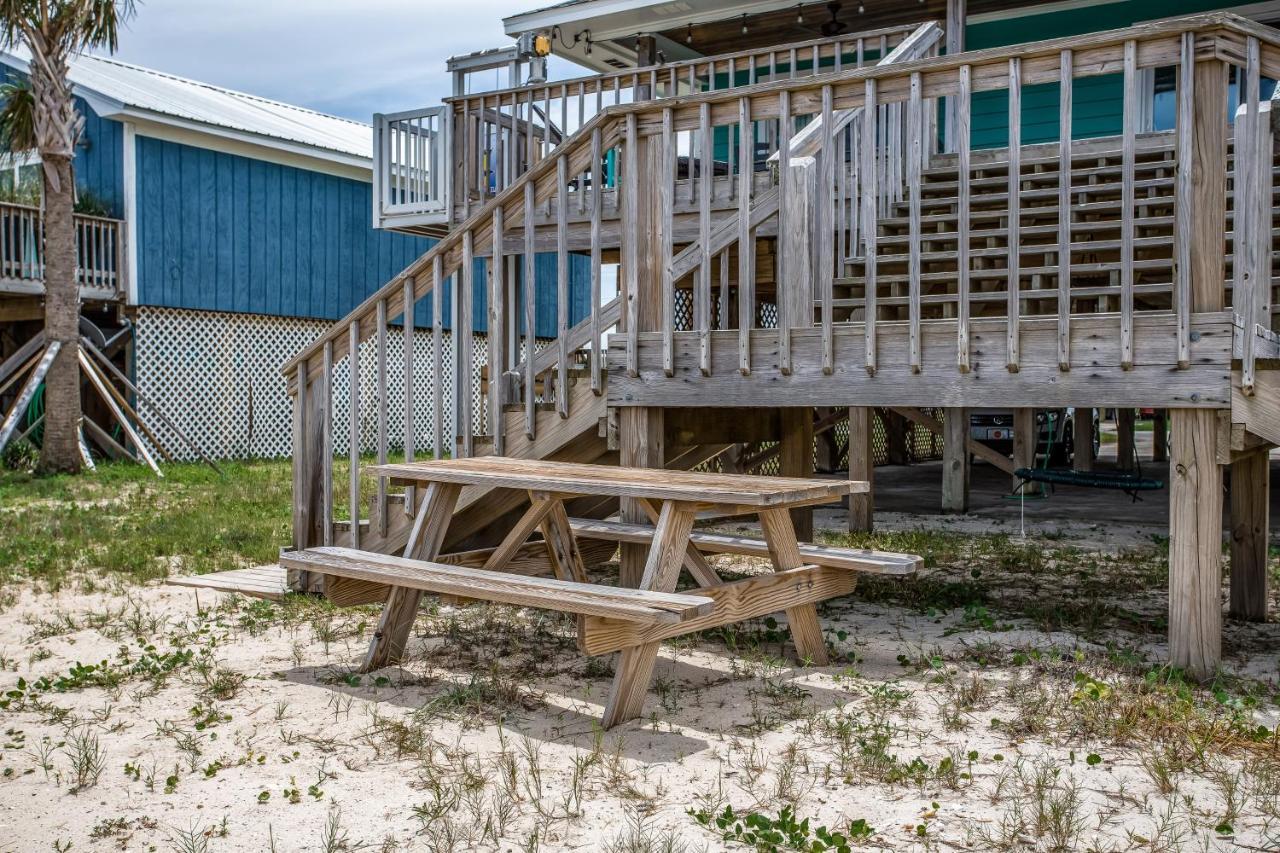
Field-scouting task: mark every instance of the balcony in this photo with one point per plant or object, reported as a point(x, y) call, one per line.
point(99, 254)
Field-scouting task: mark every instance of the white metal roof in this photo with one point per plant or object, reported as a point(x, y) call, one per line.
point(118, 89)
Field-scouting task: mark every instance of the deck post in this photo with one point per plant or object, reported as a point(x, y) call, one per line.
point(1250, 491)
point(795, 282)
point(896, 428)
point(308, 504)
point(955, 460)
point(796, 460)
point(1195, 487)
point(1024, 442)
point(1082, 437)
point(861, 467)
point(1125, 427)
point(641, 430)
point(957, 14)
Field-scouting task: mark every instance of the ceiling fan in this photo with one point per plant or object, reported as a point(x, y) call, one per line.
point(835, 26)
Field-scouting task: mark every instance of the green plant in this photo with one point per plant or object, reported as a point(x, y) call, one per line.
point(784, 832)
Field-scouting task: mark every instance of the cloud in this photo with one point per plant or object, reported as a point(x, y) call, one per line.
point(349, 58)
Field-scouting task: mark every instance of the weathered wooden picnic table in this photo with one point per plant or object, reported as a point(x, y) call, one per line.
point(630, 621)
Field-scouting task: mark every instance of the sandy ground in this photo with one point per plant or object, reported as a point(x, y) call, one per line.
point(938, 728)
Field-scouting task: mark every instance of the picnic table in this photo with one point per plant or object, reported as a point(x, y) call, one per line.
point(614, 619)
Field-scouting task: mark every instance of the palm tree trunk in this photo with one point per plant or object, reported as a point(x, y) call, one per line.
point(61, 449)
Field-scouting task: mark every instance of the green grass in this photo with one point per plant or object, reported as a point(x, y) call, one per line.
point(122, 520)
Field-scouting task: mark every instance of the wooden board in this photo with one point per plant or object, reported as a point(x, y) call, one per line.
point(257, 582)
point(578, 479)
point(847, 559)
point(547, 593)
point(744, 599)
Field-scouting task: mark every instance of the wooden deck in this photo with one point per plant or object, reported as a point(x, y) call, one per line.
point(267, 581)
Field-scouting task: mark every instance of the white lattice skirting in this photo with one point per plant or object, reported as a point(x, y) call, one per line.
point(217, 377)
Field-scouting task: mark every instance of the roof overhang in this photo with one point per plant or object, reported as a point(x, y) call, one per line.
point(217, 137)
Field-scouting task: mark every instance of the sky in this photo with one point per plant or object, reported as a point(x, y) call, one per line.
point(350, 58)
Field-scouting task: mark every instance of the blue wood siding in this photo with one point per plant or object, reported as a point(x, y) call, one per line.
point(221, 232)
point(1097, 101)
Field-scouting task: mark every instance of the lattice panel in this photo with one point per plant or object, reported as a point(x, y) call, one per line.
point(217, 377)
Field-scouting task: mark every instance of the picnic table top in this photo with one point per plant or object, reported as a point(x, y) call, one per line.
point(656, 484)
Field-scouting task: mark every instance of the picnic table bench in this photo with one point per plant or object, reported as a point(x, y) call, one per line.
point(613, 619)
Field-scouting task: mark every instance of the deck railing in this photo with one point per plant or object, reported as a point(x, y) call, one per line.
point(99, 251)
point(474, 147)
point(913, 306)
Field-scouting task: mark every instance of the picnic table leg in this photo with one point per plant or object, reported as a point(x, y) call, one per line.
point(806, 631)
point(562, 546)
point(635, 664)
point(697, 564)
point(425, 541)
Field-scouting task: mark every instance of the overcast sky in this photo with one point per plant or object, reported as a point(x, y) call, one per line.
point(347, 57)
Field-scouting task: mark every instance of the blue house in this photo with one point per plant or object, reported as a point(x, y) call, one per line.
point(244, 230)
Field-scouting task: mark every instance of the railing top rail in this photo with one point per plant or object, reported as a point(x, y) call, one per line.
point(39, 211)
point(667, 67)
point(685, 109)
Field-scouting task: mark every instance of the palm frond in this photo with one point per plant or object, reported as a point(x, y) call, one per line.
point(17, 118)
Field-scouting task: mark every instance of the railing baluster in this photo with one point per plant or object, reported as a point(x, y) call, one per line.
point(1064, 209)
point(870, 193)
point(746, 245)
point(464, 333)
point(702, 305)
point(1128, 151)
point(666, 188)
point(496, 337)
point(1015, 213)
point(326, 446)
point(530, 312)
point(630, 247)
point(1183, 199)
point(380, 382)
point(784, 274)
point(562, 286)
point(1252, 238)
point(578, 181)
point(468, 128)
point(826, 237)
point(353, 429)
point(723, 319)
point(915, 132)
point(437, 357)
point(597, 187)
point(962, 144)
point(410, 381)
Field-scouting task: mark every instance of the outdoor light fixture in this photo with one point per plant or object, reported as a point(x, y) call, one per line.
point(744, 23)
point(799, 14)
point(688, 36)
point(861, 9)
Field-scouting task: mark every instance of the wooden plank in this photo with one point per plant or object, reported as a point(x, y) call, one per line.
point(660, 234)
point(463, 345)
point(353, 432)
point(28, 391)
point(379, 514)
point(746, 245)
point(562, 287)
point(702, 296)
point(733, 602)
point(802, 618)
point(870, 190)
point(409, 327)
point(793, 246)
point(699, 569)
point(1065, 87)
point(962, 144)
point(22, 357)
point(497, 336)
point(519, 533)
point(562, 548)
point(915, 131)
point(861, 461)
point(1184, 195)
point(1250, 514)
point(437, 359)
point(268, 582)
point(974, 447)
point(104, 391)
point(1128, 155)
point(631, 250)
point(845, 559)
point(824, 269)
point(530, 314)
point(1014, 277)
point(597, 329)
point(547, 593)
point(1082, 458)
point(1024, 445)
point(326, 414)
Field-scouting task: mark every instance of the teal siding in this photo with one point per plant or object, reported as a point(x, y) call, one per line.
point(1097, 101)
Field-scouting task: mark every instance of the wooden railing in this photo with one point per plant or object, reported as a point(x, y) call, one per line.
point(829, 213)
point(99, 251)
point(471, 149)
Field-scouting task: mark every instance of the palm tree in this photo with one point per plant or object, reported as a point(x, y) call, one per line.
point(41, 114)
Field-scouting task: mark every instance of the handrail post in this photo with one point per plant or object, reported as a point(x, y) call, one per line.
point(308, 505)
point(795, 286)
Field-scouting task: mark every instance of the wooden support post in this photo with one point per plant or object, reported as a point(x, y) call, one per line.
point(861, 467)
point(1082, 437)
point(896, 428)
point(957, 13)
point(1195, 487)
point(796, 460)
point(1024, 443)
point(309, 414)
point(1125, 425)
point(1160, 436)
point(826, 451)
point(1250, 517)
point(795, 284)
point(955, 461)
point(641, 430)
